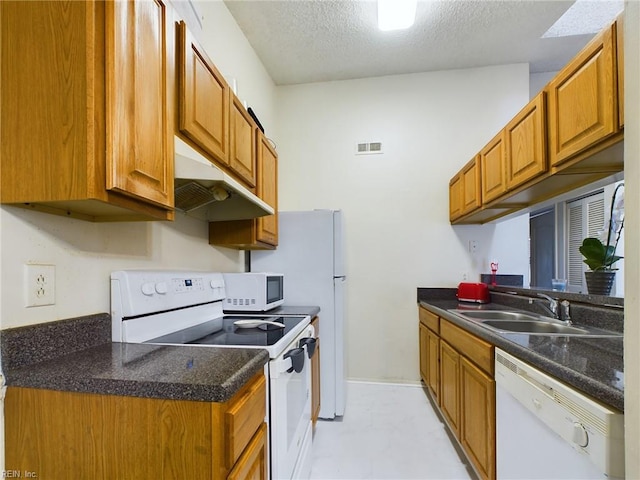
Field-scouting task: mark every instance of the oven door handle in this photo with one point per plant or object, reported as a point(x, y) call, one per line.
point(310, 344)
point(285, 365)
point(297, 359)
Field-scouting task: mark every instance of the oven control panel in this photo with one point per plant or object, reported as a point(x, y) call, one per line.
point(140, 292)
point(182, 285)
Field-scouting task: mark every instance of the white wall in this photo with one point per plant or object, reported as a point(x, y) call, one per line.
point(537, 82)
point(632, 238)
point(85, 253)
point(396, 204)
point(234, 57)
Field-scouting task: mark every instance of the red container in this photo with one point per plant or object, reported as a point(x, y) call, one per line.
point(473, 292)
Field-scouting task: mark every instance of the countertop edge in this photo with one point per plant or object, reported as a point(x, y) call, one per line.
point(39, 376)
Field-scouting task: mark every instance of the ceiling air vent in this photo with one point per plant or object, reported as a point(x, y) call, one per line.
point(368, 148)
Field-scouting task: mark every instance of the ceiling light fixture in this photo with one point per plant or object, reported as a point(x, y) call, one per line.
point(396, 14)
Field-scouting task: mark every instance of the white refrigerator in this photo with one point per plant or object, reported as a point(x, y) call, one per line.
point(310, 254)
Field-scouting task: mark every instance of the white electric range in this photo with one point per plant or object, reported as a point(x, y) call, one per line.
point(185, 308)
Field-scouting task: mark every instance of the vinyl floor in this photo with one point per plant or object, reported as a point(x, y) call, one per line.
point(389, 431)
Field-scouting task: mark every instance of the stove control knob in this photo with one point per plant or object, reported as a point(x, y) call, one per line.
point(580, 434)
point(162, 288)
point(148, 289)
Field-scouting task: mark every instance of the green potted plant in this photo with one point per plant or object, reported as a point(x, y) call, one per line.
point(601, 257)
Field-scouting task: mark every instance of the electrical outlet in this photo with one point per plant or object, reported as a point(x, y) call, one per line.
point(465, 276)
point(473, 246)
point(40, 285)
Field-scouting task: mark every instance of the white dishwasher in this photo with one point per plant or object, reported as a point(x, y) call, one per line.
point(546, 429)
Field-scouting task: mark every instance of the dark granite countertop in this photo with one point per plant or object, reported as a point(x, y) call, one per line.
point(152, 371)
point(591, 365)
point(77, 355)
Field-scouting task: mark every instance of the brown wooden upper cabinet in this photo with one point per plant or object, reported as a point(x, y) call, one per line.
point(464, 190)
point(257, 233)
point(87, 111)
point(579, 114)
point(455, 197)
point(492, 167)
point(619, 25)
point(203, 98)
point(140, 145)
point(526, 143)
point(583, 103)
point(242, 155)
point(267, 226)
point(471, 186)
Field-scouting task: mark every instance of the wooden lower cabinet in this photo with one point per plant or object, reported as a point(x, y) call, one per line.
point(81, 435)
point(477, 419)
point(450, 386)
point(457, 368)
point(252, 465)
point(433, 368)
point(315, 374)
point(424, 353)
point(430, 351)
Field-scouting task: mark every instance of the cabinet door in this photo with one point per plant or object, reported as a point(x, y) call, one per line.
point(424, 353)
point(492, 159)
point(203, 98)
point(242, 152)
point(620, 67)
point(252, 465)
point(477, 425)
point(267, 226)
point(244, 416)
point(583, 100)
point(139, 132)
point(97, 436)
point(315, 375)
point(449, 389)
point(471, 186)
point(433, 364)
point(455, 197)
point(526, 143)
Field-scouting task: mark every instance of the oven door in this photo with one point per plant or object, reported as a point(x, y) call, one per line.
point(290, 411)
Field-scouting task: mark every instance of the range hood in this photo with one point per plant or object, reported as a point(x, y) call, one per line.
point(204, 191)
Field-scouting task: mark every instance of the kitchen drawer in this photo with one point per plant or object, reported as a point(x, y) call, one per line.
point(472, 347)
point(246, 413)
point(429, 319)
point(253, 462)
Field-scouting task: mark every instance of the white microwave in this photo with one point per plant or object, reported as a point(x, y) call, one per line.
point(253, 291)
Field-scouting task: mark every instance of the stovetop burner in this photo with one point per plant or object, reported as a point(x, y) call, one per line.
point(223, 332)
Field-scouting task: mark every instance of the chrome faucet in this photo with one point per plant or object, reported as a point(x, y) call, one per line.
point(566, 314)
point(553, 305)
point(553, 308)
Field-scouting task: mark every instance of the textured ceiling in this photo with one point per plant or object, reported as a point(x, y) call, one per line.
point(301, 41)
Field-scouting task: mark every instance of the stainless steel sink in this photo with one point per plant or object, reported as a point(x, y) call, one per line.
point(506, 321)
point(497, 315)
point(534, 326)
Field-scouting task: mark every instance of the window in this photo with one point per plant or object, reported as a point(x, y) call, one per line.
point(585, 218)
point(557, 231)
